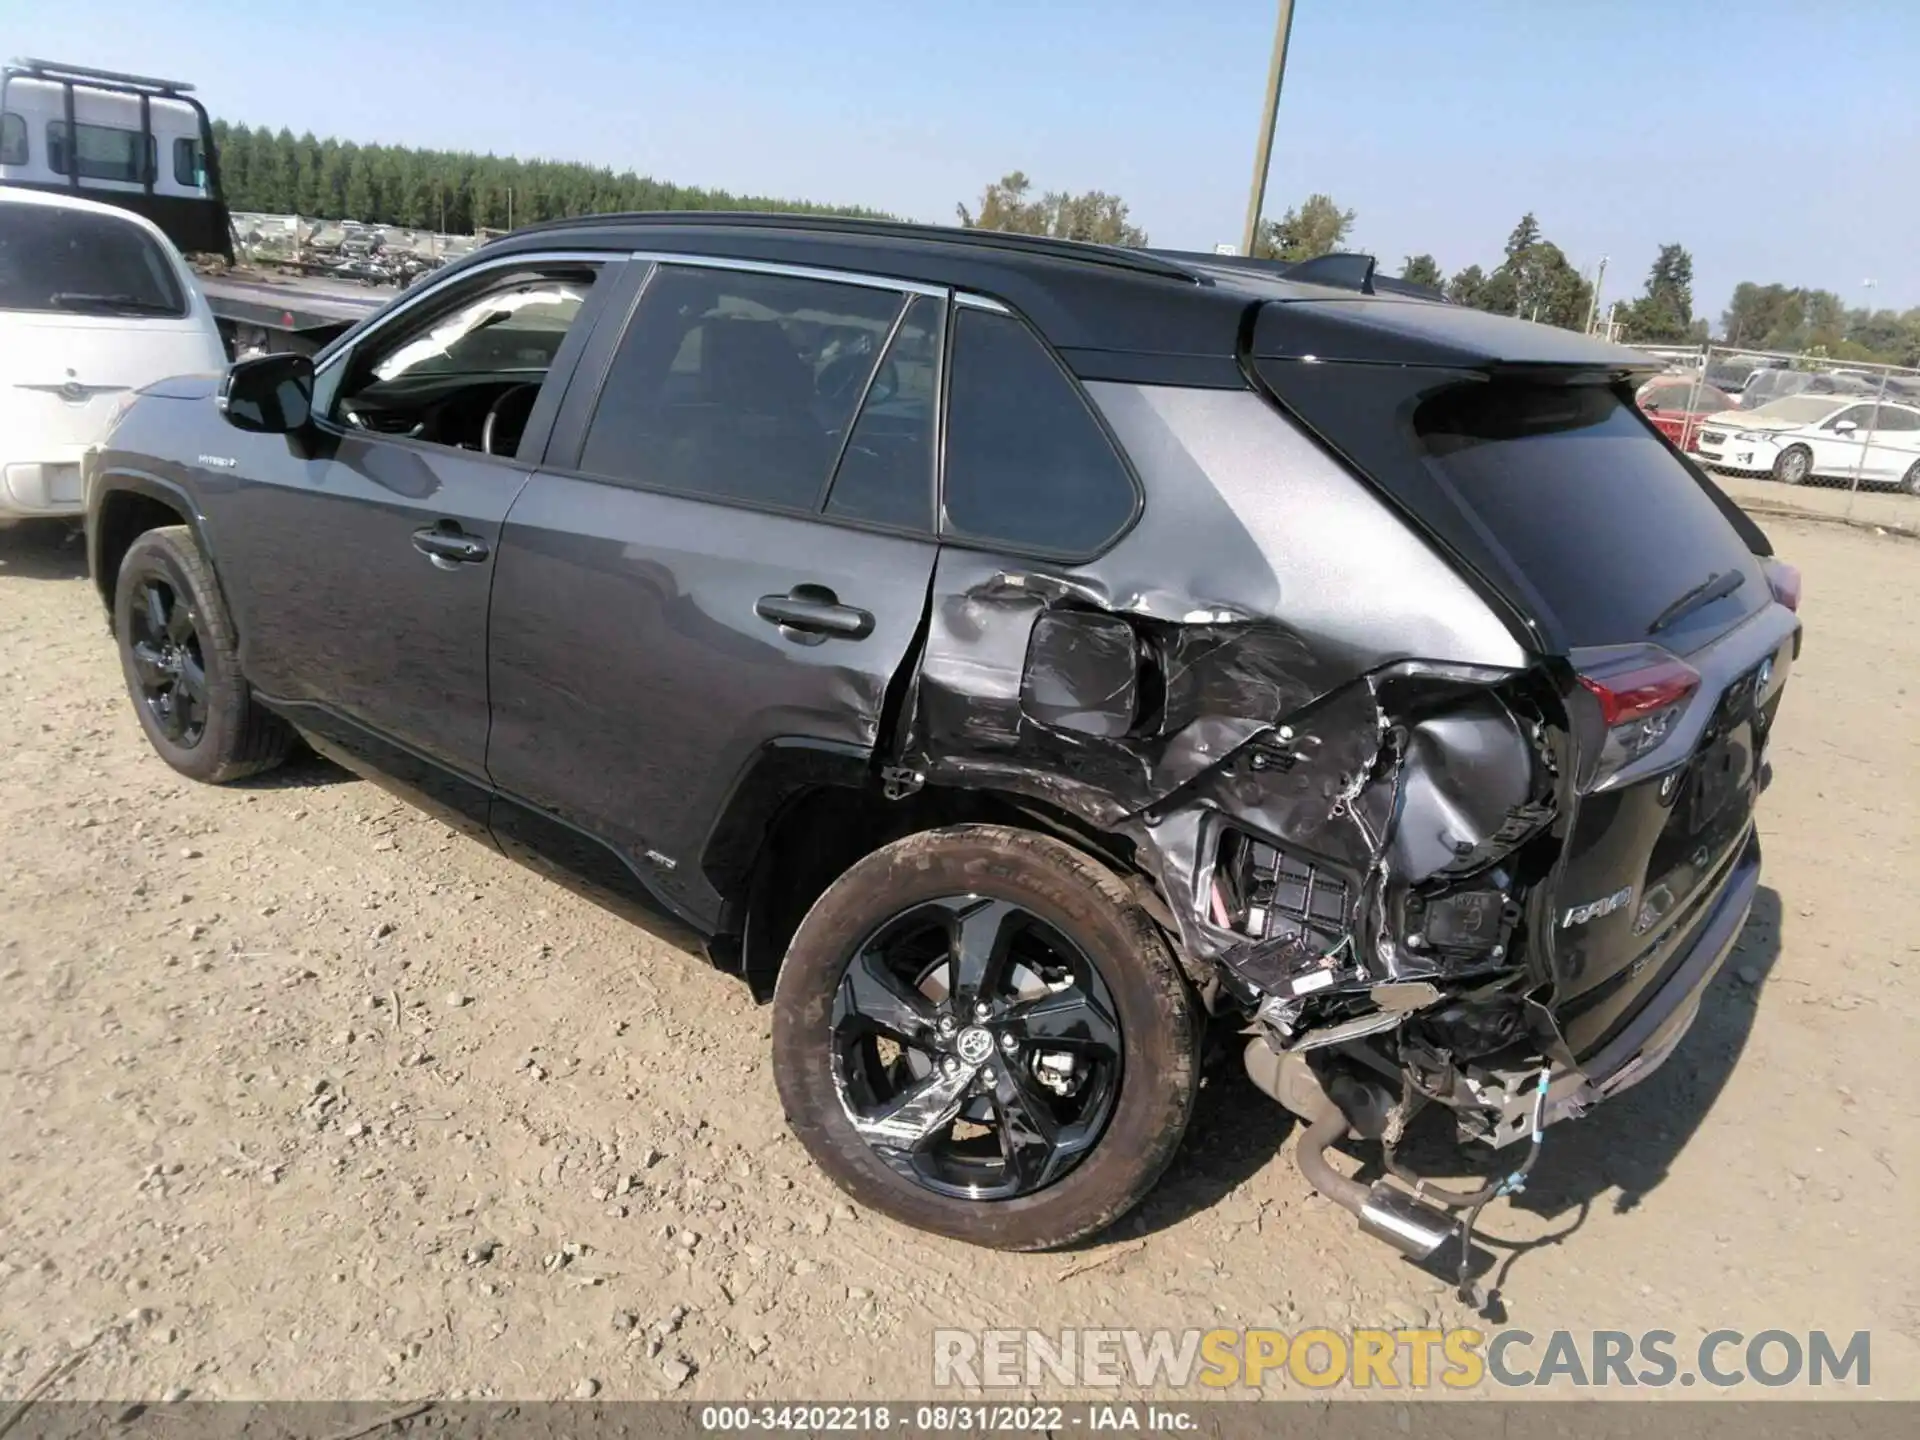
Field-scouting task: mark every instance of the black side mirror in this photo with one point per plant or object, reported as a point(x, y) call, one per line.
point(1082, 674)
point(272, 394)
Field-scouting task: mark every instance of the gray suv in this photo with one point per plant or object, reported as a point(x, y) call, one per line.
point(1011, 653)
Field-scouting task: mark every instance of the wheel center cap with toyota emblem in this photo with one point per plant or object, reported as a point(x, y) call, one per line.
point(975, 1045)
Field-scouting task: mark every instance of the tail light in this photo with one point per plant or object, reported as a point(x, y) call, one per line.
point(1784, 580)
point(1640, 692)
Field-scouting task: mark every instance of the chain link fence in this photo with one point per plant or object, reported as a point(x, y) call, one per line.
point(1795, 431)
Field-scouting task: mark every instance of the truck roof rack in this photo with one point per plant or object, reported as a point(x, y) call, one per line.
point(87, 75)
point(1040, 246)
point(193, 222)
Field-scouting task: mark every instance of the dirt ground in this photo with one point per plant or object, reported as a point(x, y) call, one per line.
point(305, 1097)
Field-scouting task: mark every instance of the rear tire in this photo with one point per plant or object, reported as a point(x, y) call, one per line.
point(1911, 481)
point(1793, 465)
point(182, 667)
point(1053, 890)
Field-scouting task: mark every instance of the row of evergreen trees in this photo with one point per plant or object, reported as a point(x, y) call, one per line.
point(453, 191)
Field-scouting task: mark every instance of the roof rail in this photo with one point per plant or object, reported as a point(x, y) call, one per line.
point(85, 74)
point(1043, 246)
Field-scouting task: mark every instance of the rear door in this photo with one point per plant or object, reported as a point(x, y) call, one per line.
point(728, 551)
point(1894, 447)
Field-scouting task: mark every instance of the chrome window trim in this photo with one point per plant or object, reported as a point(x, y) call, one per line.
point(980, 302)
point(381, 319)
point(861, 278)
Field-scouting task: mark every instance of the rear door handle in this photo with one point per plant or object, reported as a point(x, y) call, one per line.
point(446, 545)
point(811, 613)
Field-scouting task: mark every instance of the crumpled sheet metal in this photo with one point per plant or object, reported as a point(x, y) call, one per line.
point(1266, 586)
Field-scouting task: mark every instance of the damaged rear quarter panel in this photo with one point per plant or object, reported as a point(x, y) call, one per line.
point(1266, 587)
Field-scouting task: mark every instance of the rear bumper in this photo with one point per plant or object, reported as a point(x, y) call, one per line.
point(46, 482)
point(1656, 1030)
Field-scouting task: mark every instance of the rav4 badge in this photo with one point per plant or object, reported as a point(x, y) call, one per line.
point(1594, 909)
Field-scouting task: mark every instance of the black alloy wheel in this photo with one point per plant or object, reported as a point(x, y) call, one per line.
point(975, 1048)
point(180, 658)
point(164, 640)
point(978, 1031)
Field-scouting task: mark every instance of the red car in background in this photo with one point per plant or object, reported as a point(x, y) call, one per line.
point(1676, 404)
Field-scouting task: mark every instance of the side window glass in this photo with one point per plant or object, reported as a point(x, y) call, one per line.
point(186, 163)
point(13, 139)
point(1857, 415)
point(738, 385)
point(886, 470)
point(1027, 463)
point(1896, 417)
point(102, 152)
point(467, 375)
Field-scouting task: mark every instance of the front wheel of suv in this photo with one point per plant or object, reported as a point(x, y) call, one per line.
point(978, 1032)
point(178, 653)
point(1793, 465)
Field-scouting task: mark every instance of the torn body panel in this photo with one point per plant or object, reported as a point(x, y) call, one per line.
point(1273, 690)
point(1351, 781)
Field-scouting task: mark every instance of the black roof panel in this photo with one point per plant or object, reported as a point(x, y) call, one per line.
point(1097, 302)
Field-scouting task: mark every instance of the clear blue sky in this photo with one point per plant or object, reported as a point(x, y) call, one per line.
point(1776, 139)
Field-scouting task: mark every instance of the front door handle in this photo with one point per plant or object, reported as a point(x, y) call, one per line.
point(446, 545)
point(811, 613)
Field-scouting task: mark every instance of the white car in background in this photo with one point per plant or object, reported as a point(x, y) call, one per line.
point(95, 303)
point(1830, 437)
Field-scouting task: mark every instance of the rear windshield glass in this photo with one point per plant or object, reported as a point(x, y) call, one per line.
point(1601, 520)
point(54, 258)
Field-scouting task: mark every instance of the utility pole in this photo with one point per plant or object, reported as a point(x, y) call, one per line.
point(1593, 300)
point(1263, 153)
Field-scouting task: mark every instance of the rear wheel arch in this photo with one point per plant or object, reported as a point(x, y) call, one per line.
point(818, 833)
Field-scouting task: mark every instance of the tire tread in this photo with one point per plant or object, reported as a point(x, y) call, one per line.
point(1161, 1081)
point(250, 739)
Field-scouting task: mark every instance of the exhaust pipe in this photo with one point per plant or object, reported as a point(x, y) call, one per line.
point(1406, 1222)
point(1413, 1227)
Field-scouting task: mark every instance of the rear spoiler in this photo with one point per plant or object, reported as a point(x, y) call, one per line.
point(1347, 271)
point(1338, 270)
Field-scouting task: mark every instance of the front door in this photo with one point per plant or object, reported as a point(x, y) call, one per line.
point(1840, 443)
point(732, 556)
point(363, 551)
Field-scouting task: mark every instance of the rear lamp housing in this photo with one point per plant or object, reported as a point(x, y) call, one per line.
point(1636, 695)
